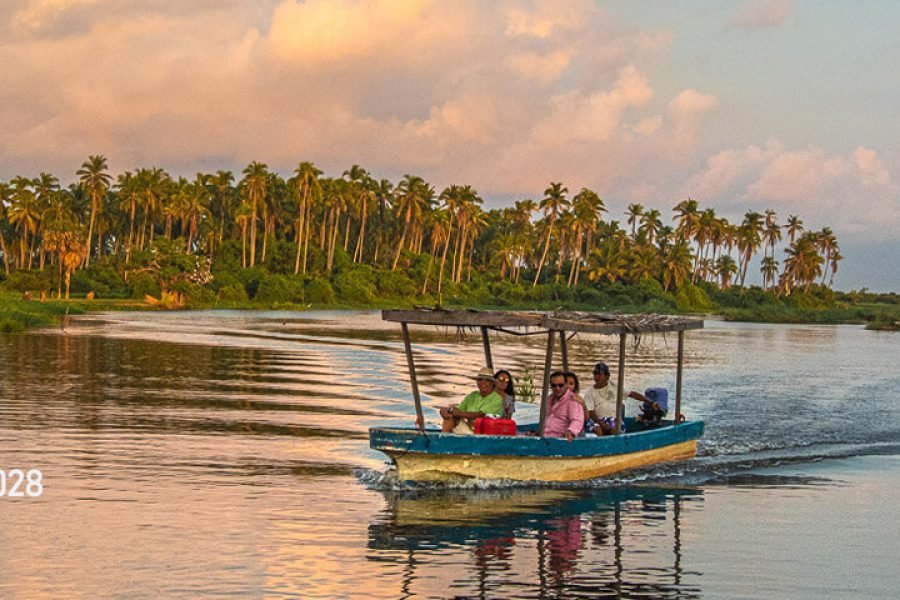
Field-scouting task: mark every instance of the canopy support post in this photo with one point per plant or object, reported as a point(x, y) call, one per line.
point(487, 349)
point(620, 383)
point(564, 350)
point(545, 384)
point(678, 376)
point(420, 419)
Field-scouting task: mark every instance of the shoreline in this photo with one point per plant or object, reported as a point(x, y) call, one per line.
point(17, 314)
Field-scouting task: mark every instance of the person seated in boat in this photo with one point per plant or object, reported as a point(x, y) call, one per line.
point(485, 401)
point(565, 417)
point(600, 400)
point(506, 387)
point(653, 406)
point(573, 384)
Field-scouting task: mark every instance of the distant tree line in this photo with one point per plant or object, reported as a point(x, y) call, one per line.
point(307, 225)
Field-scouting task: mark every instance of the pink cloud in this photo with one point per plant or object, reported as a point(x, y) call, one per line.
point(762, 14)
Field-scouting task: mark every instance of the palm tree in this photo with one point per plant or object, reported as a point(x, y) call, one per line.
point(725, 268)
point(609, 261)
point(827, 244)
point(676, 264)
point(256, 180)
point(5, 197)
point(687, 218)
point(411, 194)
point(794, 227)
point(553, 203)
point(634, 214)
point(749, 240)
point(95, 180)
point(650, 225)
point(24, 213)
point(154, 184)
point(769, 269)
point(804, 263)
point(307, 188)
point(384, 197)
point(361, 188)
point(441, 227)
point(587, 206)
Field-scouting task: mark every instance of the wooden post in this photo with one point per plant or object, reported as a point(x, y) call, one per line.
point(564, 350)
point(487, 349)
point(420, 419)
point(678, 375)
point(620, 383)
point(545, 384)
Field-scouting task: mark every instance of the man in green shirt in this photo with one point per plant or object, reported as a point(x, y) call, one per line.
point(461, 417)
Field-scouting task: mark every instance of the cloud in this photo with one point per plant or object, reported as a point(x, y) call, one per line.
point(808, 181)
point(505, 96)
point(762, 14)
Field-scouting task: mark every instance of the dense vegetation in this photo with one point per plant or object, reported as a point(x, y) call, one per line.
point(356, 241)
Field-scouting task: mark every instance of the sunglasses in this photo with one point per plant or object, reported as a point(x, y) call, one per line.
point(503, 379)
point(557, 385)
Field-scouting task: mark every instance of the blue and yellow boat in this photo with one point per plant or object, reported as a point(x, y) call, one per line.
point(421, 454)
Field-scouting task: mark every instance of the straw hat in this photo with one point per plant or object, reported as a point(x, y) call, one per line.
point(484, 373)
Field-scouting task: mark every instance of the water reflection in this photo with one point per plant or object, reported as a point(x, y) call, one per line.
point(625, 542)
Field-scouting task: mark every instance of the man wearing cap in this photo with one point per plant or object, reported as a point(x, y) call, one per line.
point(478, 404)
point(600, 401)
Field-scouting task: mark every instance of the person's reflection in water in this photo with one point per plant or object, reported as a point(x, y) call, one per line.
point(494, 551)
point(600, 528)
point(564, 543)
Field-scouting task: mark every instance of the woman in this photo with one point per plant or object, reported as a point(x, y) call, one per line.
point(507, 390)
point(573, 385)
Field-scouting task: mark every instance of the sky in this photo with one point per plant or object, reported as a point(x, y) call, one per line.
point(739, 104)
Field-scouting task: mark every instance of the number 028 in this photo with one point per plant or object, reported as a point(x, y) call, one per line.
point(17, 483)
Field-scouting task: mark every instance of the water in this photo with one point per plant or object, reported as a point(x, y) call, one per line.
point(226, 454)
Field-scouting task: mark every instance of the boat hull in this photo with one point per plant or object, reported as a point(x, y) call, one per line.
point(435, 456)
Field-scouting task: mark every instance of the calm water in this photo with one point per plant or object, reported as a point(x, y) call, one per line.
point(226, 453)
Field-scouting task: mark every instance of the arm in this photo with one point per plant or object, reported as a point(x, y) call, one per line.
point(637, 396)
point(576, 421)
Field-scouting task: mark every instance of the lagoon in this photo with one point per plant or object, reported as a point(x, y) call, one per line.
point(225, 453)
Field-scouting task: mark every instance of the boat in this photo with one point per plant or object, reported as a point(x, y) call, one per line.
point(421, 454)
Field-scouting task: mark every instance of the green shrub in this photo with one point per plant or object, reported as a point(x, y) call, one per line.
point(355, 286)
point(319, 291)
point(234, 292)
point(394, 284)
point(691, 298)
point(280, 288)
point(144, 284)
point(24, 281)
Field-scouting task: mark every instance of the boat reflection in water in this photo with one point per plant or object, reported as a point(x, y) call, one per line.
point(585, 543)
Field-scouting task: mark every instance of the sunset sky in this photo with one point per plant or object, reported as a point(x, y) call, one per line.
point(741, 105)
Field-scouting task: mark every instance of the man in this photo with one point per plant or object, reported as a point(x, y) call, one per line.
point(565, 416)
point(461, 417)
point(600, 401)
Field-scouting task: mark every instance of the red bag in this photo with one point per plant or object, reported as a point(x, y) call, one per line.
point(489, 426)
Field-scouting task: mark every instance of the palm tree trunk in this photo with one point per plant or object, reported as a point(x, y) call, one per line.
point(543, 256)
point(5, 253)
point(87, 254)
point(403, 236)
point(444, 260)
point(362, 233)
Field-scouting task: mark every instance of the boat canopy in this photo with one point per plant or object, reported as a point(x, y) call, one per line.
point(576, 322)
point(552, 324)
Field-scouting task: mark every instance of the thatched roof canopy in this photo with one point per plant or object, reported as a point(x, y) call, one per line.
point(585, 322)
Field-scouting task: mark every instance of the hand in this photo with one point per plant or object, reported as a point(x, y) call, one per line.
point(569, 436)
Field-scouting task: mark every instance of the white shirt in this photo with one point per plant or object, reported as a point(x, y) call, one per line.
point(602, 401)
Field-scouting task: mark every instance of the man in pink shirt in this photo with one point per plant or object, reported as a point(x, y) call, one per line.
point(565, 416)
